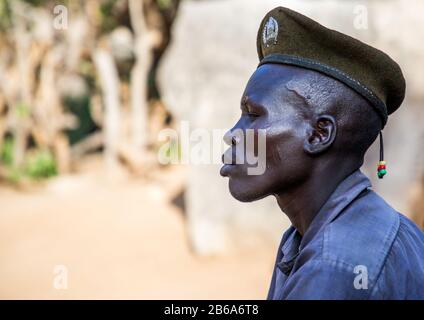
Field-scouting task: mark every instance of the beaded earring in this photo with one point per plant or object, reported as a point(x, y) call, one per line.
point(381, 169)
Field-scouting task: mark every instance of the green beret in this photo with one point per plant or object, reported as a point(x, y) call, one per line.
point(288, 37)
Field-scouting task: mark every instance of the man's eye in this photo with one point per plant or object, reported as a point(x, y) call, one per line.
point(250, 114)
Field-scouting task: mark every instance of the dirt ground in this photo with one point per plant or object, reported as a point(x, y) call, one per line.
point(92, 235)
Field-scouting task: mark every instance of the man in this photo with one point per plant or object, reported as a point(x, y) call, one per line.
point(323, 98)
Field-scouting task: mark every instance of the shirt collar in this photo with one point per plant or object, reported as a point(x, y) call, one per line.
point(289, 250)
point(343, 195)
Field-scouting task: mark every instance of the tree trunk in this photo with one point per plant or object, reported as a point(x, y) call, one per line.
point(139, 74)
point(109, 82)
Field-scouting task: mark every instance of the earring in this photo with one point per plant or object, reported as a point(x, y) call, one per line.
point(381, 169)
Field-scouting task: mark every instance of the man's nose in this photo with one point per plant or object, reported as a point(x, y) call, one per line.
point(231, 138)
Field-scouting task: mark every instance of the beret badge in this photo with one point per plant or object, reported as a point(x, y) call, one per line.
point(270, 32)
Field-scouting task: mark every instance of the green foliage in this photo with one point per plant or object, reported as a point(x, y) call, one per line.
point(36, 2)
point(6, 152)
point(80, 107)
point(22, 110)
point(5, 15)
point(164, 4)
point(109, 19)
point(40, 164)
point(14, 175)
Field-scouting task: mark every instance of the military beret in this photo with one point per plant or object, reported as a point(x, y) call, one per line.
point(288, 37)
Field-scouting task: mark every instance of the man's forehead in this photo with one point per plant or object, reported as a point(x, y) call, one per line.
point(274, 80)
point(279, 71)
point(267, 79)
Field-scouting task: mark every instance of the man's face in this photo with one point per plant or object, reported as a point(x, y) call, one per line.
point(267, 104)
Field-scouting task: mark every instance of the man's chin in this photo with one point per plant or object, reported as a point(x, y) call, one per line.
point(244, 194)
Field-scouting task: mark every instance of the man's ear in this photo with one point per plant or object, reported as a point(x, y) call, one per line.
point(321, 135)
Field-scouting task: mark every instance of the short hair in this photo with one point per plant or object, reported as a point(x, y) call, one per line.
point(358, 123)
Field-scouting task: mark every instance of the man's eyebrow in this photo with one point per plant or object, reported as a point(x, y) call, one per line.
point(243, 102)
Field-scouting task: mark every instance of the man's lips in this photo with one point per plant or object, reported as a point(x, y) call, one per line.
point(226, 169)
point(229, 160)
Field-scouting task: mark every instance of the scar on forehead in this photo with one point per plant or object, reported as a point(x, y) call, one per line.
point(301, 96)
point(313, 89)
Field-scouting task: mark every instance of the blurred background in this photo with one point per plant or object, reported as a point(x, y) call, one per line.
point(86, 87)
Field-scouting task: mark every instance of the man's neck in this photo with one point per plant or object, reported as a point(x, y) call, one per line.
point(302, 203)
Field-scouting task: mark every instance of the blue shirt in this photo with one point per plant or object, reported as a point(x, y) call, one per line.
point(357, 247)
